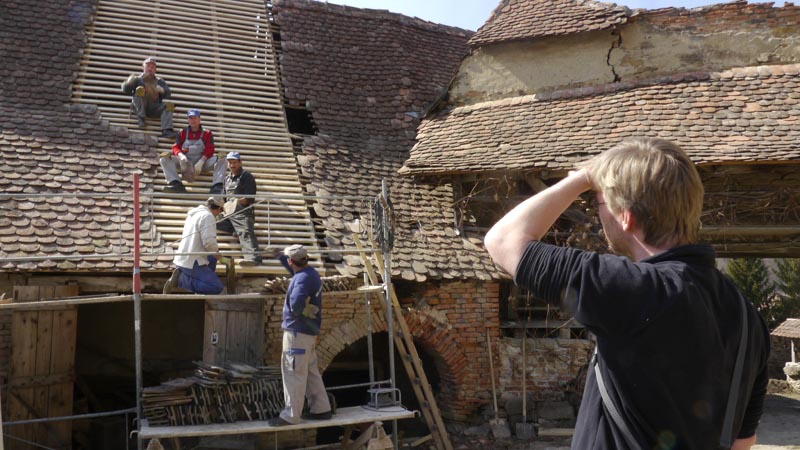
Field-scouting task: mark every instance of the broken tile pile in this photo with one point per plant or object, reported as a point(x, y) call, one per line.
point(215, 395)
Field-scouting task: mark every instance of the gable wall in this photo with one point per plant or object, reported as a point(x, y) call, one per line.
point(649, 45)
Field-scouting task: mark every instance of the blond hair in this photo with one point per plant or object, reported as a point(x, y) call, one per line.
point(657, 182)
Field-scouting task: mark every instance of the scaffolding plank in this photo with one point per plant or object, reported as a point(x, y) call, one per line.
point(344, 416)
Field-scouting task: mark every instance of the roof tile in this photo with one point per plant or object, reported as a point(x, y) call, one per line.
point(515, 20)
point(718, 118)
point(49, 146)
point(392, 69)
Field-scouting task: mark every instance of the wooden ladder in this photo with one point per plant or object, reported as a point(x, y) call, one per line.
point(404, 344)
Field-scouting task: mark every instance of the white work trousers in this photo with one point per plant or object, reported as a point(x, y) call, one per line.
point(301, 377)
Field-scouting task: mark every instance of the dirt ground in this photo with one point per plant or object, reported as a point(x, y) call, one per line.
point(779, 430)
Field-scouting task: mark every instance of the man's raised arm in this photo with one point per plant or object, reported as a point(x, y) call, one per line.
point(529, 221)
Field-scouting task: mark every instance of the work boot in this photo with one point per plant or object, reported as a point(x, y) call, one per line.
point(216, 189)
point(317, 416)
point(172, 283)
point(278, 422)
point(140, 122)
point(168, 133)
point(174, 186)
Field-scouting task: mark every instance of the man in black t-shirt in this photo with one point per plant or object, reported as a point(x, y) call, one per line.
point(239, 218)
point(668, 323)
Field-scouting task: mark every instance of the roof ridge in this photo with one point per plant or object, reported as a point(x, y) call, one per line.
point(762, 71)
point(370, 14)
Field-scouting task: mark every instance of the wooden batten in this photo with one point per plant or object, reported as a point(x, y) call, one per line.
point(234, 83)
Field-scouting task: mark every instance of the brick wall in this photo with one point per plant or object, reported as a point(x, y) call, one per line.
point(449, 323)
point(739, 16)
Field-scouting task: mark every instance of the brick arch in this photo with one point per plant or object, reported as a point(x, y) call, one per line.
point(435, 338)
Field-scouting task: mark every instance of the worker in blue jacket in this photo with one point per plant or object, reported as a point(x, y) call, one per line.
point(302, 319)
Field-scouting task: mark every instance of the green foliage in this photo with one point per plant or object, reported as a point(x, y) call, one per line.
point(787, 303)
point(751, 275)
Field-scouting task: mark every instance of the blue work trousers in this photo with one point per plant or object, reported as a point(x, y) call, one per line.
point(201, 279)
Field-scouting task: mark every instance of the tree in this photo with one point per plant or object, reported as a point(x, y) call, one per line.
point(787, 303)
point(751, 275)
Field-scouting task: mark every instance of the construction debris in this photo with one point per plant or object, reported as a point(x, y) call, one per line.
point(215, 395)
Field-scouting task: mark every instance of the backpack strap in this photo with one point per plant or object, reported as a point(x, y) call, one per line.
point(726, 438)
point(609, 405)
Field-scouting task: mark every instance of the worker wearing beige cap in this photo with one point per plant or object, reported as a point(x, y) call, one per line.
point(148, 94)
point(302, 318)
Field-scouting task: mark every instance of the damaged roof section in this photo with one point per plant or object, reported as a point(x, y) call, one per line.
point(51, 147)
point(740, 115)
point(367, 76)
point(516, 20)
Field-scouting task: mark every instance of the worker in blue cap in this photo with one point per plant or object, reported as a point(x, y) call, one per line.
point(239, 218)
point(192, 153)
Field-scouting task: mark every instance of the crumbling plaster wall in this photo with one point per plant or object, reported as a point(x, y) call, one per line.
point(650, 45)
point(648, 50)
point(520, 68)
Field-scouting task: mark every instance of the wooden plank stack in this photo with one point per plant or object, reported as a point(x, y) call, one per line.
point(215, 394)
point(329, 284)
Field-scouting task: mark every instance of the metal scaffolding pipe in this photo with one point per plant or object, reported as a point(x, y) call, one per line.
point(387, 283)
point(137, 308)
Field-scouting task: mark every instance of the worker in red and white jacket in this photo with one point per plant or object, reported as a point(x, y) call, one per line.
point(192, 153)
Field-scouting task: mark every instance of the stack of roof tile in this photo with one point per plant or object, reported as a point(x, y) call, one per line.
point(515, 20)
point(367, 76)
point(739, 115)
point(48, 146)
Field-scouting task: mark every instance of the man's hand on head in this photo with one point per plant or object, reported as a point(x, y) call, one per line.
point(582, 177)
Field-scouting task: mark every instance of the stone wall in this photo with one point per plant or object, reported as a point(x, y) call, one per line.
point(651, 44)
point(552, 366)
point(779, 354)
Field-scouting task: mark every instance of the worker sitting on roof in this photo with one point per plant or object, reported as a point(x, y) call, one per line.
point(192, 153)
point(149, 92)
point(195, 272)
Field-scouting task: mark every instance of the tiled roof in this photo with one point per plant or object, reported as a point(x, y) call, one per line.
point(48, 146)
point(740, 115)
point(515, 20)
point(366, 75)
point(788, 329)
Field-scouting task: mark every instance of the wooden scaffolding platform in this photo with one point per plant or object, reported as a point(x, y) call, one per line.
point(344, 416)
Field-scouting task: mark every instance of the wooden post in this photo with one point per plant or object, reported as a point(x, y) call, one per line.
point(1, 424)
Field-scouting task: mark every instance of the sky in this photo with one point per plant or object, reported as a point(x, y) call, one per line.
point(471, 14)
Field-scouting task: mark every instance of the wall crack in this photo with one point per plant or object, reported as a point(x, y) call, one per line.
point(616, 43)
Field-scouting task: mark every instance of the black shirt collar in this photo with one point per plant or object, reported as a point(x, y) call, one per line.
point(692, 254)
